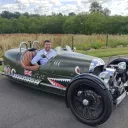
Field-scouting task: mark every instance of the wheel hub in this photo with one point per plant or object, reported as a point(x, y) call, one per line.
point(85, 102)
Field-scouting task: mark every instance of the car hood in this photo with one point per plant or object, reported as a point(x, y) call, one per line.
point(69, 61)
point(75, 55)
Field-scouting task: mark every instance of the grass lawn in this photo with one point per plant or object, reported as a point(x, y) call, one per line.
point(106, 52)
point(1, 68)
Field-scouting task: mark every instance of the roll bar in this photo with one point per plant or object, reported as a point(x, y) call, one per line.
point(36, 42)
point(21, 44)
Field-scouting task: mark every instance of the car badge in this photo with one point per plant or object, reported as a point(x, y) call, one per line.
point(27, 73)
point(77, 70)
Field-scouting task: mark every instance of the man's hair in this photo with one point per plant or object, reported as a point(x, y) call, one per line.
point(47, 41)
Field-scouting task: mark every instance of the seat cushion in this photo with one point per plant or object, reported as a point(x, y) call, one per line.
point(27, 57)
point(26, 61)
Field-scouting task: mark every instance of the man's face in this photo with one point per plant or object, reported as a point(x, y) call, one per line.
point(47, 46)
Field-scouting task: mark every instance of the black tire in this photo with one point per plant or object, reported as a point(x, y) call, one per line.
point(103, 95)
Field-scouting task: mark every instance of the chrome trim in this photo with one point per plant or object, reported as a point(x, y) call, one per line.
point(37, 43)
point(120, 98)
point(23, 43)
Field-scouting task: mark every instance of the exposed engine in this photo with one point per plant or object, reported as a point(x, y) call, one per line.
point(115, 77)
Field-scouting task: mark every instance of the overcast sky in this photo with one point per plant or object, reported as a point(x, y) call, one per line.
point(119, 7)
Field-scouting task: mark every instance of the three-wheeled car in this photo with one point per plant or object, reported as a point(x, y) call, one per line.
point(89, 88)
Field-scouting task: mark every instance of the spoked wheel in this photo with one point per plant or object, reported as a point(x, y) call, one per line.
point(89, 102)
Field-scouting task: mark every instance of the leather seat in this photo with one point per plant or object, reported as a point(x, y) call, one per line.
point(26, 61)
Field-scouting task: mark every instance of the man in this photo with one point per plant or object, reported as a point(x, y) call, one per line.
point(45, 54)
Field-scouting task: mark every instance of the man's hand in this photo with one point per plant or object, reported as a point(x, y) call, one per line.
point(44, 56)
point(36, 65)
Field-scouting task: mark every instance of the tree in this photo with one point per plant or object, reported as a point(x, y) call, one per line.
point(80, 23)
point(26, 14)
point(6, 14)
point(60, 14)
point(106, 12)
point(16, 15)
point(69, 25)
point(95, 23)
point(95, 7)
point(98, 21)
point(17, 27)
point(71, 14)
point(33, 26)
point(25, 21)
point(9, 15)
point(5, 25)
point(54, 24)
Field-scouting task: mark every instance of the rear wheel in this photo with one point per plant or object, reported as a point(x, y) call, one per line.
point(89, 102)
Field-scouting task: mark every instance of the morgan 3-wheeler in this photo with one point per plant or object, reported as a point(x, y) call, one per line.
point(90, 88)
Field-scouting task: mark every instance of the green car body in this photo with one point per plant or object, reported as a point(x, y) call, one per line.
point(54, 76)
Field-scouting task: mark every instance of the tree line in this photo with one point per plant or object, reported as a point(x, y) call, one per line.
point(96, 21)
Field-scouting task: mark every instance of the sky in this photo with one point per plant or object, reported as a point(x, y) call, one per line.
point(119, 7)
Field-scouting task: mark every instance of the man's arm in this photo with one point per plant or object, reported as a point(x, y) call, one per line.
point(52, 54)
point(36, 59)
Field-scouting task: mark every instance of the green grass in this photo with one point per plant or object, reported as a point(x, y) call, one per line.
point(1, 68)
point(106, 52)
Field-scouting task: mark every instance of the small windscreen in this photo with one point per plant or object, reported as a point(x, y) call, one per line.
point(60, 49)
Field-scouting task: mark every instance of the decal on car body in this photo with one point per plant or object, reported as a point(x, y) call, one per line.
point(13, 71)
point(57, 63)
point(27, 73)
point(56, 82)
point(77, 70)
point(7, 69)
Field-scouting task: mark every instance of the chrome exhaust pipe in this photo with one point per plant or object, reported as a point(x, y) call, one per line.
point(120, 98)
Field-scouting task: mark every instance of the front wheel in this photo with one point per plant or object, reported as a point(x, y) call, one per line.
point(90, 103)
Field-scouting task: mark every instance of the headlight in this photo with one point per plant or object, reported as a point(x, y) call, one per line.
point(105, 76)
point(95, 62)
point(122, 65)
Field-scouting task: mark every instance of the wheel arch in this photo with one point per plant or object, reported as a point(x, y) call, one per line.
point(88, 76)
point(115, 61)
